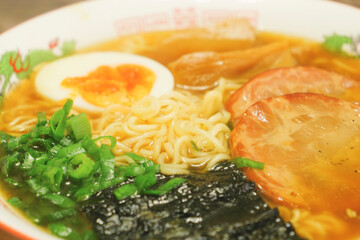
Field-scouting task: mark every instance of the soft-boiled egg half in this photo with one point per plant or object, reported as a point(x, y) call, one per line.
point(99, 79)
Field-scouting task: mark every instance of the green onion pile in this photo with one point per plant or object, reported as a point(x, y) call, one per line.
point(58, 164)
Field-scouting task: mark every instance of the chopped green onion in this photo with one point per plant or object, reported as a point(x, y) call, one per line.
point(43, 130)
point(4, 138)
point(33, 134)
point(38, 188)
point(60, 200)
point(41, 159)
point(89, 235)
point(55, 149)
point(67, 106)
point(13, 143)
point(111, 138)
point(80, 166)
point(153, 168)
point(90, 146)
point(140, 160)
point(10, 163)
point(24, 138)
point(194, 146)
point(51, 176)
point(134, 170)
point(145, 181)
point(38, 142)
point(137, 158)
point(60, 163)
point(168, 186)
point(122, 168)
point(87, 191)
point(70, 151)
point(80, 126)
point(54, 177)
point(29, 161)
point(125, 191)
point(34, 215)
point(241, 162)
point(58, 124)
point(63, 213)
point(38, 170)
point(58, 121)
point(107, 163)
point(16, 202)
point(42, 121)
point(60, 230)
point(65, 141)
point(12, 182)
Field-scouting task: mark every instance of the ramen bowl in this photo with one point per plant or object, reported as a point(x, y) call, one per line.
point(87, 23)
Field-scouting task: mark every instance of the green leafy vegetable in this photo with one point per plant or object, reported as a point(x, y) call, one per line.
point(335, 42)
point(342, 45)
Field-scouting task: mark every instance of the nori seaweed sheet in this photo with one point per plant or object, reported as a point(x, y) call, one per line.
point(220, 204)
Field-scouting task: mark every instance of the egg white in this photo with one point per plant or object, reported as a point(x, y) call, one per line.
point(48, 79)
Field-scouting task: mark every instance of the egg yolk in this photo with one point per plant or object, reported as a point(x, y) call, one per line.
point(123, 84)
